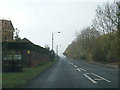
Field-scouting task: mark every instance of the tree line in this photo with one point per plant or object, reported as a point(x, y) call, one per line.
point(101, 40)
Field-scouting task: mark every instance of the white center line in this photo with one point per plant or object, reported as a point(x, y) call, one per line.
point(89, 78)
point(82, 69)
point(100, 77)
point(78, 69)
point(75, 66)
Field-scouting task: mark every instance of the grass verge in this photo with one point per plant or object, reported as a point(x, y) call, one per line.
point(19, 79)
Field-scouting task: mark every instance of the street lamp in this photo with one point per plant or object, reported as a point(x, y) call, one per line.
point(57, 49)
point(53, 38)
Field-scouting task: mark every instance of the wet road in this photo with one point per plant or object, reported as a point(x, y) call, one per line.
point(67, 73)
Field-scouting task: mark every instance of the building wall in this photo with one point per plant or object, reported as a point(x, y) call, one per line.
point(7, 35)
point(7, 30)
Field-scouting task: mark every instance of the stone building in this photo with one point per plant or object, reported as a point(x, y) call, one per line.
point(7, 30)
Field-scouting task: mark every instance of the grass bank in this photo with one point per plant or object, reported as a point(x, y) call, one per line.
point(19, 79)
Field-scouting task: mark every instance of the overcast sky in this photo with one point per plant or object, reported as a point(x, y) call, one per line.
point(38, 19)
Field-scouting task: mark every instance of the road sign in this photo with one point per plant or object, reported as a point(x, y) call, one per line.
point(17, 57)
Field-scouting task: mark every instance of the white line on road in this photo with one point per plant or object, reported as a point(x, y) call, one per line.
point(97, 79)
point(100, 77)
point(82, 69)
point(72, 63)
point(89, 78)
point(75, 66)
point(78, 69)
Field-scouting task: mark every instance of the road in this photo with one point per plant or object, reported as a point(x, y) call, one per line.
point(67, 73)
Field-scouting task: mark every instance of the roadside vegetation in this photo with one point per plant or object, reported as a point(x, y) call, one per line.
point(100, 41)
point(20, 79)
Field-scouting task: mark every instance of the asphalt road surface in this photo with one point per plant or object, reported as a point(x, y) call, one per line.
point(68, 73)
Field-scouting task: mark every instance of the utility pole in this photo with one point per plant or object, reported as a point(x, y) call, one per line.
point(57, 47)
point(53, 40)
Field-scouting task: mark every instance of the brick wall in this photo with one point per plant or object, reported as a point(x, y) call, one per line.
point(35, 59)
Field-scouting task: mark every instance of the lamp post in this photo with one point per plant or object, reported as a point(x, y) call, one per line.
point(53, 38)
point(57, 49)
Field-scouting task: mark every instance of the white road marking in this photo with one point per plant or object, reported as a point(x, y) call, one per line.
point(78, 69)
point(75, 66)
point(97, 79)
point(89, 78)
point(82, 69)
point(72, 63)
point(101, 77)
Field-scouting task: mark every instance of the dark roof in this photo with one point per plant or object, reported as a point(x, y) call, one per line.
point(7, 25)
point(26, 40)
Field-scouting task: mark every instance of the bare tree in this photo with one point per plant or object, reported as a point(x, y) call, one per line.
point(106, 19)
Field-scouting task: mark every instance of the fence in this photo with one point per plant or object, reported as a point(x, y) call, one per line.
point(19, 54)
